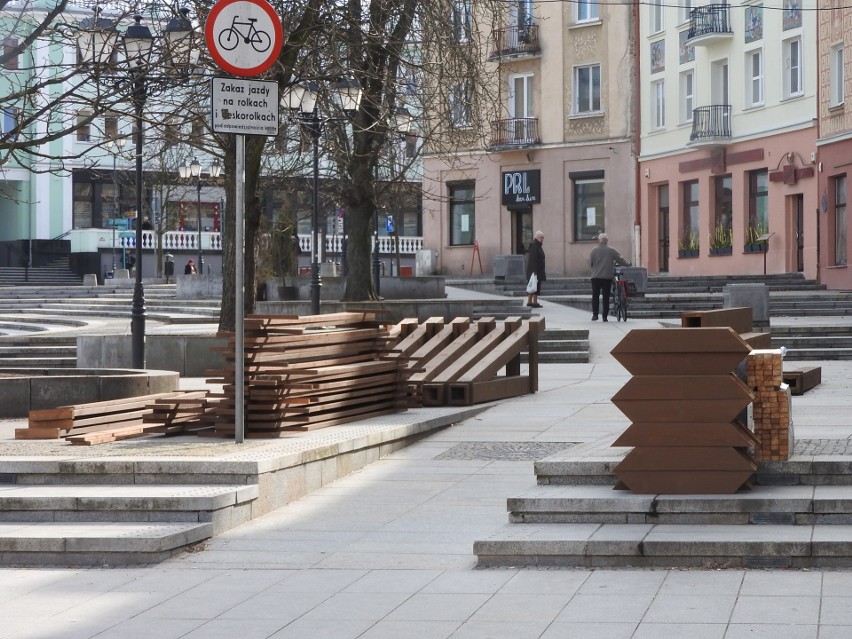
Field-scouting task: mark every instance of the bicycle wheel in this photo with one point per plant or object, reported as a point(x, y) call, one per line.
point(260, 41)
point(229, 39)
point(622, 308)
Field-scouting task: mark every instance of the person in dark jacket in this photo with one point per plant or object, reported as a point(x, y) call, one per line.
point(535, 264)
point(603, 261)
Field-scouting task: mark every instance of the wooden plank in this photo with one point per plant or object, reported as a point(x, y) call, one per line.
point(419, 335)
point(737, 318)
point(491, 362)
point(97, 408)
point(687, 434)
point(473, 354)
point(478, 392)
point(440, 361)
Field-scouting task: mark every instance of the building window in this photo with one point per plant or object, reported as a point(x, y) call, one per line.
point(684, 11)
point(836, 76)
point(687, 95)
point(723, 206)
point(792, 67)
point(10, 60)
point(524, 11)
point(84, 127)
point(9, 123)
point(656, 8)
point(754, 77)
point(461, 20)
point(840, 221)
point(411, 146)
point(111, 127)
point(658, 105)
point(462, 213)
point(460, 105)
point(521, 96)
point(587, 10)
point(758, 205)
point(689, 217)
point(588, 207)
point(587, 89)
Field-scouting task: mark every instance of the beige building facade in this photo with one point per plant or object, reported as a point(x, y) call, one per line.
point(559, 158)
point(835, 146)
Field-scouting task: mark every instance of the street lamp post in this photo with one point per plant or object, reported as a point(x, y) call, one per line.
point(96, 43)
point(303, 99)
point(193, 171)
point(118, 143)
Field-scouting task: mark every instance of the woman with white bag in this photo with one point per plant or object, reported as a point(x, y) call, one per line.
point(535, 270)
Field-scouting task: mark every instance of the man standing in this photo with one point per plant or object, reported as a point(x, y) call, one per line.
point(535, 264)
point(603, 261)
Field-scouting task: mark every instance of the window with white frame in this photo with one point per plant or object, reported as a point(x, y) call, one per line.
point(684, 11)
point(460, 104)
point(84, 127)
point(754, 77)
point(521, 96)
point(658, 105)
point(836, 78)
point(687, 95)
point(587, 10)
point(462, 196)
point(656, 8)
point(461, 20)
point(8, 123)
point(524, 11)
point(792, 67)
point(10, 60)
point(587, 89)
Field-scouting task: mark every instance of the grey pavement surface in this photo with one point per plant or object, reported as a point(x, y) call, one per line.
point(387, 551)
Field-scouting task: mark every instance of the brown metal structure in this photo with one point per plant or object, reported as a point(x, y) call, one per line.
point(684, 401)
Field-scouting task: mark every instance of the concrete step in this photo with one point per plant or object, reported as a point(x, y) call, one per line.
point(71, 544)
point(560, 357)
point(787, 505)
point(38, 362)
point(667, 545)
point(114, 524)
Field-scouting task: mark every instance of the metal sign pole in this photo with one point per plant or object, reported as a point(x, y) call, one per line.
point(239, 304)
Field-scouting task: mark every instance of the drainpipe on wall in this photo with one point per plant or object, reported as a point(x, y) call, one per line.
point(637, 129)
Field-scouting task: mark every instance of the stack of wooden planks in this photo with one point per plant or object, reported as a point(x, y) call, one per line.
point(771, 407)
point(457, 363)
point(307, 372)
point(112, 420)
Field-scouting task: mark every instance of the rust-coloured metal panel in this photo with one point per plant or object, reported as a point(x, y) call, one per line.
point(687, 458)
point(738, 318)
point(686, 434)
point(685, 482)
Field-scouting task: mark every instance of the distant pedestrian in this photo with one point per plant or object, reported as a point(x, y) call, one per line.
point(603, 261)
point(535, 266)
point(189, 269)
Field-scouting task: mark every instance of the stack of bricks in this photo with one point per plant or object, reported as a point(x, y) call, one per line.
point(771, 408)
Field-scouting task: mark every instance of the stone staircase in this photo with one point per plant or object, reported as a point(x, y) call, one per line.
point(562, 346)
point(796, 516)
point(813, 343)
point(57, 273)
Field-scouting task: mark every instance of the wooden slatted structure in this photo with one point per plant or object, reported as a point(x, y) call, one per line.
point(459, 363)
point(307, 372)
point(683, 401)
point(98, 422)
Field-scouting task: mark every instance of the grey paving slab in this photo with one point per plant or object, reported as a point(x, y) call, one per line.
point(690, 609)
point(493, 629)
point(589, 630)
point(611, 607)
point(775, 631)
point(393, 629)
point(769, 609)
point(679, 630)
point(836, 611)
point(793, 583)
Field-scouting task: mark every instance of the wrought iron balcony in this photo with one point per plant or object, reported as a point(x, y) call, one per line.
point(711, 125)
point(516, 41)
point(514, 132)
point(709, 24)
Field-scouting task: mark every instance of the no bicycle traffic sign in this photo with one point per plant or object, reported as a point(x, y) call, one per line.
point(244, 37)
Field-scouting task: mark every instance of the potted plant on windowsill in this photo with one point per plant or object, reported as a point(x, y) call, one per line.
point(721, 240)
point(688, 246)
point(752, 244)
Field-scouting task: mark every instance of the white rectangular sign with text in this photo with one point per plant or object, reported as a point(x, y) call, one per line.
point(246, 107)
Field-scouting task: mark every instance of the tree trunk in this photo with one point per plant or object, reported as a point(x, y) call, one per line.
point(359, 282)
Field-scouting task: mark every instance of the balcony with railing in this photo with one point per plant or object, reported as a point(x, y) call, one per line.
point(711, 125)
point(514, 133)
point(512, 42)
point(710, 23)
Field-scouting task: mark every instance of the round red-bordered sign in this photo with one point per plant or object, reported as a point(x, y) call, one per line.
point(244, 37)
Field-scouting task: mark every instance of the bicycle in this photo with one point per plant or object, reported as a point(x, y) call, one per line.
point(620, 293)
point(229, 38)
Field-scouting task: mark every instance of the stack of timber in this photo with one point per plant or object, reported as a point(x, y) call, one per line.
point(107, 421)
point(458, 363)
point(771, 407)
point(307, 372)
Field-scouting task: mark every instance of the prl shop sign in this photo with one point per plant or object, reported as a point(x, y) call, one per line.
point(247, 107)
point(521, 187)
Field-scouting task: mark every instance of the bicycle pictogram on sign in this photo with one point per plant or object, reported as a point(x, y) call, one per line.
point(244, 37)
point(250, 34)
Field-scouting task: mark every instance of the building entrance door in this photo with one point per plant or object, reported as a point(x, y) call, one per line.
point(799, 222)
point(663, 215)
point(522, 231)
